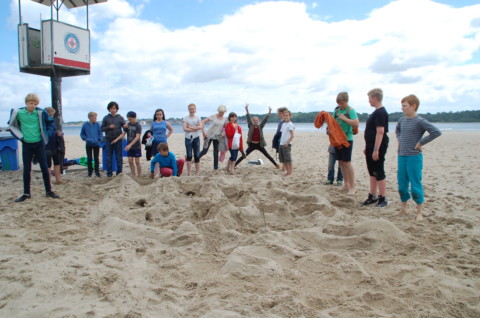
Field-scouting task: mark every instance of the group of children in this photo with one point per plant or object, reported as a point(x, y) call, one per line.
point(224, 134)
point(36, 129)
point(409, 131)
point(116, 128)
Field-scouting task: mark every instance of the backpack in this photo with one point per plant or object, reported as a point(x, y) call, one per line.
point(355, 129)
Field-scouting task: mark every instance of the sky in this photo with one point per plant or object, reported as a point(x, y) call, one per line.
point(149, 54)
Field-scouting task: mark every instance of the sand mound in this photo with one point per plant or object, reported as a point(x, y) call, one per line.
point(250, 245)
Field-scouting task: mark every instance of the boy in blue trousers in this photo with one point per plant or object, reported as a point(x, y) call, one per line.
point(91, 133)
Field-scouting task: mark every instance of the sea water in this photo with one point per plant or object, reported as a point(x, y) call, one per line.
point(307, 127)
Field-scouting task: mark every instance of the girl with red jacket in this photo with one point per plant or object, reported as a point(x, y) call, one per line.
point(233, 133)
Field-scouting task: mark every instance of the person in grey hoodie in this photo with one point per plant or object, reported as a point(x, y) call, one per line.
point(91, 133)
point(112, 125)
point(32, 126)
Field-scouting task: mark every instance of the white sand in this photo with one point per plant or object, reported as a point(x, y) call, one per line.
point(207, 252)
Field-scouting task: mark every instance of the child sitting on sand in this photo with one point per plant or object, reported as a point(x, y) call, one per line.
point(410, 129)
point(168, 164)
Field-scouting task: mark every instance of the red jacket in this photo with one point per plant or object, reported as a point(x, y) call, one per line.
point(337, 136)
point(230, 131)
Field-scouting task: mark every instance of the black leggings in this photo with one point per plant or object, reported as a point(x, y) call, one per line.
point(256, 146)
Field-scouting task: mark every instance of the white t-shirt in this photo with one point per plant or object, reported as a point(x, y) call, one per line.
point(286, 129)
point(216, 126)
point(192, 122)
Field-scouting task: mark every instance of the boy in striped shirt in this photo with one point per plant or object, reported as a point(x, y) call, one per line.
point(410, 130)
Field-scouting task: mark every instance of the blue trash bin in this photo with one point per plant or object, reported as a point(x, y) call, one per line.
point(114, 162)
point(9, 153)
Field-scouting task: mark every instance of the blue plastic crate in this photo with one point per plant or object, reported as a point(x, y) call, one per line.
point(9, 153)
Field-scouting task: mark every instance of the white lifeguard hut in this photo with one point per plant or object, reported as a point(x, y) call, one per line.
point(56, 50)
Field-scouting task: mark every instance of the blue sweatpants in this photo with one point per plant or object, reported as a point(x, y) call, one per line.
point(409, 175)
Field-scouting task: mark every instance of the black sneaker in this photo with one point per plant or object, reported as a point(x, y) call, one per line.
point(23, 198)
point(382, 202)
point(370, 200)
point(98, 175)
point(89, 174)
point(52, 194)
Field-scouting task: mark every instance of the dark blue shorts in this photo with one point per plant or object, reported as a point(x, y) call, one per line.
point(134, 152)
point(344, 154)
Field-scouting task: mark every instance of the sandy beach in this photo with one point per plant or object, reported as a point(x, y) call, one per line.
point(254, 244)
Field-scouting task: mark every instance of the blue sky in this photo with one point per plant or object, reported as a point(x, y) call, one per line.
point(147, 54)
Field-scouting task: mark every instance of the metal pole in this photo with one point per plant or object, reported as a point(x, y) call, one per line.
point(57, 100)
point(86, 2)
point(20, 11)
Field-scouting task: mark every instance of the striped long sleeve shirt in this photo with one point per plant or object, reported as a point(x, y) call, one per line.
point(410, 131)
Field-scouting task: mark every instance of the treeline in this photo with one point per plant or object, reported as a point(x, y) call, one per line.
point(466, 116)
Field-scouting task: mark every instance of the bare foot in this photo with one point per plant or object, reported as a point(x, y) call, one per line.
point(402, 212)
point(419, 217)
point(352, 191)
point(343, 189)
point(60, 181)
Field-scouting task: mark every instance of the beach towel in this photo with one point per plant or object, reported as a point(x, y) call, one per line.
point(337, 136)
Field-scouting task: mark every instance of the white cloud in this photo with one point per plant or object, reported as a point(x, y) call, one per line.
point(275, 54)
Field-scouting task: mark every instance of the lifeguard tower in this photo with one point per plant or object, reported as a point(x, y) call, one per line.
point(56, 50)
